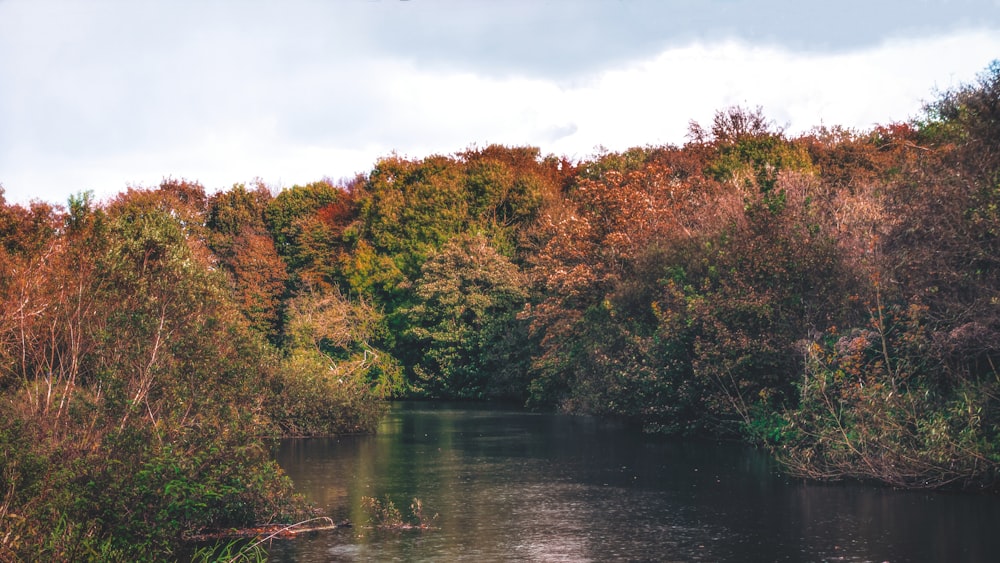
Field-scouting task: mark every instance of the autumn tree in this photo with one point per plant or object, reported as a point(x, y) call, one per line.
point(596, 315)
point(140, 384)
point(909, 396)
point(309, 226)
point(506, 188)
point(240, 240)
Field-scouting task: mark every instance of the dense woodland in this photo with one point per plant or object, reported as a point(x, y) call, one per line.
point(834, 296)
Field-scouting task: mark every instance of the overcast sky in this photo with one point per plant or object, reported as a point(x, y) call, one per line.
point(100, 95)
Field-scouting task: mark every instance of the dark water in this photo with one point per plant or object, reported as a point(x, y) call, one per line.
point(516, 486)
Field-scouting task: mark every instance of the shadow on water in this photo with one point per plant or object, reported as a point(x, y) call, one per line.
point(518, 486)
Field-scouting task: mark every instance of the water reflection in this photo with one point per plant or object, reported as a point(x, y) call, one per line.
point(516, 486)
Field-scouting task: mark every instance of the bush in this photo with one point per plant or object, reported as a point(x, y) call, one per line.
point(320, 397)
point(868, 411)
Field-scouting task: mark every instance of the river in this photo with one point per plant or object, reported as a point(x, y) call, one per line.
point(509, 485)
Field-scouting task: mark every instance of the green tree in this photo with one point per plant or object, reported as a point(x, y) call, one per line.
point(462, 331)
point(749, 153)
point(411, 208)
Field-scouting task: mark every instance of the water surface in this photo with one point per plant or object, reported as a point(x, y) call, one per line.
point(517, 486)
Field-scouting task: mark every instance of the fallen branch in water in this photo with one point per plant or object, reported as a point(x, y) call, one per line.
point(271, 531)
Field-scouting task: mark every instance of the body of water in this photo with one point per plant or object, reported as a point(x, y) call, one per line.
point(509, 485)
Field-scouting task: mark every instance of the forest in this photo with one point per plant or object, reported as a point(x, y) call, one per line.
point(832, 296)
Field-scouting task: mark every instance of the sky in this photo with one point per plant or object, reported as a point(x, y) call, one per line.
point(106, 94)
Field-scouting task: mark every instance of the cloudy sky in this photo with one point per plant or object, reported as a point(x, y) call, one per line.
point(104, 94)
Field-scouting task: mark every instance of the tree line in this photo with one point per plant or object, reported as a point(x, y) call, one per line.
point(833, 295)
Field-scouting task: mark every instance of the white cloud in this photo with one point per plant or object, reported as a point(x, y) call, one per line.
point(652, 102)
point(227, 108)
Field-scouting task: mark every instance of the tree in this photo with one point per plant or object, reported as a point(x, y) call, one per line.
point(908, 396)
point(596, 314)
point(239, 238)
point(462, 332)
point(749, 152)
point(136, 409)
point(411, 208)
point(310, 227)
